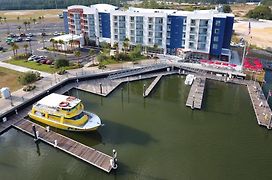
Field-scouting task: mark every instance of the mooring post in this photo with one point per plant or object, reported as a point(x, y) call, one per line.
point(47, 128)
point(34, 132)
point(193, 103)
point(144, 90)
point(55, 143)
point(101, 90)
point(113, 161)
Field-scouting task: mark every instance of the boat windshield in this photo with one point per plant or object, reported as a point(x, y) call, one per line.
point(77, 117)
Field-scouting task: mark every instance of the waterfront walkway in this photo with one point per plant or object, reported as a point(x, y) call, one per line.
point(196, 93)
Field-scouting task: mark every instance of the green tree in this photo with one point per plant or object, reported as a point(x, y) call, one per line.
point(260, 12)
point(18, 18)
point(53, 42)
point(25, 23)
point(28, 77)
point(126, 44)
point(19, 28)
point(14, 47)
point(77, 54)
point(34, 20)
point(25, 46)
point(61, 63)
point(61, 42)
point(227, 8)
point(116, 47)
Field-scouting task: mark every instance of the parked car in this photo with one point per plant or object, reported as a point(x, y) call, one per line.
point(9, 40)
point(31, 58)
point(12, 35)
point(1, 48)
point(43, 61)
point(19, 39)
point(49, 62)
point(56, 33)
point(37, 59)
point(29, 35)
point(43, 34)
point(28, 39)
point(22, 35)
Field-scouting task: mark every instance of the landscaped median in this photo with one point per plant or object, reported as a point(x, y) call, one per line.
point(39, 66)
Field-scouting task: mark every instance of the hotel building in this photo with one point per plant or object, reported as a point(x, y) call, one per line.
point(205, 33)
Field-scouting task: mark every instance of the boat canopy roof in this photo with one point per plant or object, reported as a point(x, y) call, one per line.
point(54, 101)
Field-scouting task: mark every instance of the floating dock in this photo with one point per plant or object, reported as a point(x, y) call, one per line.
point(260, 104)
point(196, 93)
point(152, 85)
point(74, 148)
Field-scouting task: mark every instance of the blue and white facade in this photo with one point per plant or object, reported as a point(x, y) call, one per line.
point(206, 32)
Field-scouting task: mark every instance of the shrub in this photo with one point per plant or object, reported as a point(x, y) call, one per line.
point(102, 66)
point(29, 77)
point(260, 12)
point(61, 72)
point(122, 57)
point(61, 63)
point(29, 88)
point(101, 57)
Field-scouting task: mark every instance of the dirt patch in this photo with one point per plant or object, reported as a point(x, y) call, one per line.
point(260, 32)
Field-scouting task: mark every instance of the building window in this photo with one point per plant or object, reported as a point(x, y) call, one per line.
point(115, 18)
point(150, 20)
point(184, 21)
point(150, 27)
point(217, 22)
point(131, 18)
point(150, 34)
point(132, 32)
point(216, 31)
point(193, 22)
point(215, 46)
point(191, 45)
point(215, 39)
point(149, 41)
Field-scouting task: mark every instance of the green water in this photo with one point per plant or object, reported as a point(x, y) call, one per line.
point(156, 138)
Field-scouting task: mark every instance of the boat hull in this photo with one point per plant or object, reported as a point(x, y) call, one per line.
point(63, 126)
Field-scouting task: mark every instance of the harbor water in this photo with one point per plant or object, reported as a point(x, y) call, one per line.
point(157, 137)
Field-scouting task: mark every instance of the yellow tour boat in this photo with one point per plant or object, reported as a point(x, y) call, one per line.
point(64, 112)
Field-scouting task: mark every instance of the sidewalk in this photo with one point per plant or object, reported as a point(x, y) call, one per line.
point(22, 69)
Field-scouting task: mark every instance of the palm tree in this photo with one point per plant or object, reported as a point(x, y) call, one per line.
point(25, 46)
point(126, 44)
point(15, 47)
point(19, 28)
point(61, 42)
point(71, 42)
point(5, 20)
point(28, 22)
point(1, 19)
point(34, 20)
point(18, 18)
point(77, 54)
point(40, 19)
point(25, 23)
point(53, 43)
point(116, 47)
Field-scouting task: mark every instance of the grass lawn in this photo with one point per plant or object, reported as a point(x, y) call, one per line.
point(9, 79)
point(37, 66)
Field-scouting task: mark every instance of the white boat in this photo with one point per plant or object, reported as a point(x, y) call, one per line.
point(189, 79)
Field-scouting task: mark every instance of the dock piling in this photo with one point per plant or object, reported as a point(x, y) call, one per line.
point(34, 132)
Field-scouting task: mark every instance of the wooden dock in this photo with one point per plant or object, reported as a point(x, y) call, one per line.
point(72, 147)
point(196, 93)
point(152, 85)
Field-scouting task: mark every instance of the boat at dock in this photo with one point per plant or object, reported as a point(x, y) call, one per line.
point(64, 112)
point(189, 79)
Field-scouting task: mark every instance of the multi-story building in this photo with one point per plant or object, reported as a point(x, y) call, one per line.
point(203, 32)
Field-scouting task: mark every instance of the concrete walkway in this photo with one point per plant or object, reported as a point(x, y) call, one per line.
point(22, 69)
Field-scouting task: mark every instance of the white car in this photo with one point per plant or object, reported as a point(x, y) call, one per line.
point(56, 33)
point(31, 58)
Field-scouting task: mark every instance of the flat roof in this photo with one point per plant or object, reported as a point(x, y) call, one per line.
point(67, 37)
point(104, 7)
point(53, 100)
